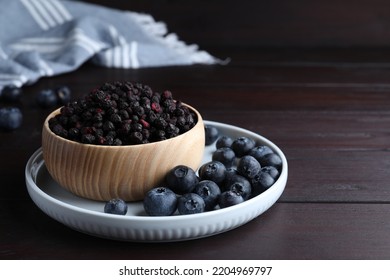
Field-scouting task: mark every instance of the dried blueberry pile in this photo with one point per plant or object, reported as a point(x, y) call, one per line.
point(123, 113)
point(239, 170)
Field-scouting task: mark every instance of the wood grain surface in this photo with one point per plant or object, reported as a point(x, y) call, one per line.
point(314, 78)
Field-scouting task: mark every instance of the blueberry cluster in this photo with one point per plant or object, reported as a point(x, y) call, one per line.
point(123, 113)
point(238, 171)
point(11, 117)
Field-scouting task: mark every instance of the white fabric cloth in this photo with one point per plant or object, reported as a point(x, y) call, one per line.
point(48, 37)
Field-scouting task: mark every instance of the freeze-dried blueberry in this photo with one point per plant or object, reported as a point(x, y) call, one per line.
point(125, 108)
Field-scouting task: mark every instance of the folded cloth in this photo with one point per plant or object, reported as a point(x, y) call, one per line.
point(48, 37)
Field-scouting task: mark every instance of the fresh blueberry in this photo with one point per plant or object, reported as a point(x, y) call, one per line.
point(211, 134)
point(248, 166)
point(63, 94)
point(224, 141)
point(239, 184)
point(259, 151)
point(229, 198)
point(213, 170)
point(11, 93)
point(10, 118)
point(224, 155)
point(271, 170)
point(47, 98)
point(209, 191)
point(261, 182)
point(271, 160)
point(190, 203)
point(242, 145)
point(181, 179)
point(116, 206)
point(160, 201)
point(229, 177)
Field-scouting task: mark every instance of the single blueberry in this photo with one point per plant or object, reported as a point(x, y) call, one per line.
point(271, 160)
point(64, 94)
point(10, 118)
point(160, 201)
point(213, 170)
point(190, 203)
point(116, 206)
point(229, 174)
point(224, 155)
point(242, 145)
point(47, 98)
point(229, 198)
point(259, 151)
point(248, 166)
point(181, 179)
point(209, 191)
point(240, 185)
point(11, 93)
point(224, 141)
point(271, 170)
point(261, 182)
point(211, 134)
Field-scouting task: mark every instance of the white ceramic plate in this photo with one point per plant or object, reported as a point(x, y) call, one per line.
point(87, 216)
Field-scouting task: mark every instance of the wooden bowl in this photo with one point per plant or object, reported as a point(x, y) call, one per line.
point(128, 172)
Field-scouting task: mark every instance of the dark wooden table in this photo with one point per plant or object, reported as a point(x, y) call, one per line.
point(315, 81)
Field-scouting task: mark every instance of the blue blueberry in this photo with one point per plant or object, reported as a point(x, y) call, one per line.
point(271, 170)
point(214, 171)
point(211, 134)
point(116, 206)
point(11, 93)
point(64, 94)
point(10, 118)
point(209, 191)
point(240, 185)
point(242, 145)
point(261, 182)
point(271, 160)
point(229, 198)
point(47, 98)
point(190, 203)
point(260, 151)
point(160, 201)
point(224, 155)
point(248, 166)
point(181, 179)
point(224, 141)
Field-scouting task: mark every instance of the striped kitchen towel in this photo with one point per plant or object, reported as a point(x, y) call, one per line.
point(47, 37)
